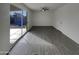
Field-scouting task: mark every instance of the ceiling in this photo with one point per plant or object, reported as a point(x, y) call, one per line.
point(39, 6)
point(13, 8)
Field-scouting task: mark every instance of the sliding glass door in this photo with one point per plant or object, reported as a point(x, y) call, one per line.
point(18, 22)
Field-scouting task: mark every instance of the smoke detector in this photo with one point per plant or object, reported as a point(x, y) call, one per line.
point(44, 9)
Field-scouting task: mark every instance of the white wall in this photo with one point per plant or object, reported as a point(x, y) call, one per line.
point(42, 18)
point(4, 28)
point(21, 6)
point(66, 19)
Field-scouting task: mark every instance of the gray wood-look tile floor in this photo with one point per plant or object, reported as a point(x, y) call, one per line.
point(45, 41)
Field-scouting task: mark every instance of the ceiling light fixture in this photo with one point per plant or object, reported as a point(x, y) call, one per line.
point(44, 9)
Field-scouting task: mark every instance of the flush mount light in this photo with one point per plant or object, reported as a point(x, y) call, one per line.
point(44, 9)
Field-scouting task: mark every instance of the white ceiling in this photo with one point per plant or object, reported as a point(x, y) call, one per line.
point(38, 6)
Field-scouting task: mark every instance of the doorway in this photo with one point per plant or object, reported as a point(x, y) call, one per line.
point(18, 23)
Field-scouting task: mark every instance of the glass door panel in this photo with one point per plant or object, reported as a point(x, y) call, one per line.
point(15, 25)
point(18, 21)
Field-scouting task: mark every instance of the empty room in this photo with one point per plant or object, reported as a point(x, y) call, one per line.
point(39, 28)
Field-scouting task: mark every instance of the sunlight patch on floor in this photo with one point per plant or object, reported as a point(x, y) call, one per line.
point(16, 33)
